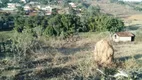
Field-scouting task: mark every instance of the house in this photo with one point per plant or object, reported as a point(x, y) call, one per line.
point(27, 7)
point(38, 6)
point(13, 5)
point(8, 10)
point(59, 1)
point(123, 37)
point(72, 4)
point(24, 1)
point(33, 3)
point(47, 9)
point(131, 0)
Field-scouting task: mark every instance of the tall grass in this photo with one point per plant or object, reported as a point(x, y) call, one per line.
point(57, 59)
point(138, 36)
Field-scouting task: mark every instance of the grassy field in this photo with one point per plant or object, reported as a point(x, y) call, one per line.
point(57, 59)
point(72, 59)
point(116, 9)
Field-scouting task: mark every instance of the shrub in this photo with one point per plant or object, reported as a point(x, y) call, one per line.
point(23, 43)
point(65, 25)
point(105, 23)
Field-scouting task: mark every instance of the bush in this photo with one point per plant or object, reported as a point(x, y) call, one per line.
point(23, 44)
point(66, 24)
point(63, 25)
point(117, 1)
point(105, 23)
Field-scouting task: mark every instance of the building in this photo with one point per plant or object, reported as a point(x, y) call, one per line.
point(131, 0)
point(47, 9)
point(8, 10)
point(33, 3)
point(72, 4)
point(13, 5)
point(123, 37)
point(27, 7)
point(24, 1)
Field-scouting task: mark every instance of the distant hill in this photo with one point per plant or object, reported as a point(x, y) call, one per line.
point(116, 9)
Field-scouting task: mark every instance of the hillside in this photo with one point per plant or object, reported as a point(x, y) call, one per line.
point(61, 47)
point(119, 10)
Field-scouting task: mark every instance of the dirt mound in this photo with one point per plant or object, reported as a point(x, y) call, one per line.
point(103, 53)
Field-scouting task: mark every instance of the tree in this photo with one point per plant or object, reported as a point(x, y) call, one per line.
point(91, 24)
point(54, 25)
point(54, 11)
point(15, 1)
point(20, 10)
point(72, 11)
point(65, 3)
point(4, 3)
point(19, 22)
point(105, 23)
point(115, 25)
point(93, 10)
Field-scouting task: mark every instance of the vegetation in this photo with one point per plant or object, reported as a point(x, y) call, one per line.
point(68, 24)
point(6, 21)
point(49, 58)
point(117, 1)
point(3, 3)
point(135, 5)
point(59, 47)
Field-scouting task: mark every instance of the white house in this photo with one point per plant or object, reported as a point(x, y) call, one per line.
point(72, 4)
point(47, 9)
point(33, 3)
point(7, 9)
point(123, 37)
point(131, 0)
point(24, 1)
point(13, 5)
point(27, 7)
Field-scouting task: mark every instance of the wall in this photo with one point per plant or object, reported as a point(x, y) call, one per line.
point(116, 38)
point(124, 39)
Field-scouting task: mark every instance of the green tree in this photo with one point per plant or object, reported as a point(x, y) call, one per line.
point(15, 1)
point(19, 23)
point(72, 11)
point(91, 24)
point(54, 25)
point(29, 23)
point(65, 3)
point(93, 10)
point(3, 3)
point(105, 23)
point(20, 10)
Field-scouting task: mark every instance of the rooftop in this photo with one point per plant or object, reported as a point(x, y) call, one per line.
point(124, 34)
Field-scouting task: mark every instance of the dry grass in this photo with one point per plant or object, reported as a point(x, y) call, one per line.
point(128, 49)
point(78, 57)
point(115, 9)
point(62, 60)
point(135, 17)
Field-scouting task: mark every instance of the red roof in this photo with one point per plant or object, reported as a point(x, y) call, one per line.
point(124, 34)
